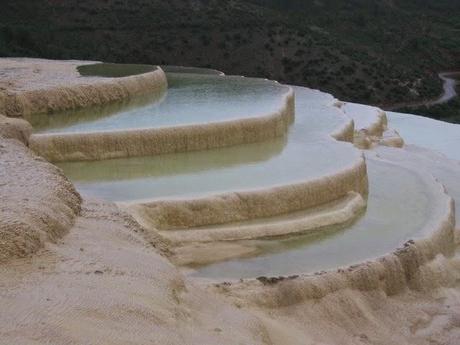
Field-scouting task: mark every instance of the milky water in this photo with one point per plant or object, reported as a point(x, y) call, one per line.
point(399, 205)
point(400, 202)
point(190, 99)
point(307, 152)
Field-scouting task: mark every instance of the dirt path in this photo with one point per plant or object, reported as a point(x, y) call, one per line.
point(450, 81)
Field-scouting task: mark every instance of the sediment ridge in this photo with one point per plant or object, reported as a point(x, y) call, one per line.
point(334, 214)
point(345, 132)
point(187, 216)
point(38, 203)
point(74, 92)
point(246, 205)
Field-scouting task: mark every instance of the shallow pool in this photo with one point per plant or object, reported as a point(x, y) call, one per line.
point(305, 153)
point(400, 204)
point(190, 99)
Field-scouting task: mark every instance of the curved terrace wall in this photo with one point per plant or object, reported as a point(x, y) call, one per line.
point(336, 214)
point(371, 126)
point(154, 141)
point(392, 273)
point(345, 132)
point(367, 118)
point(245, 205)
point(81, 95)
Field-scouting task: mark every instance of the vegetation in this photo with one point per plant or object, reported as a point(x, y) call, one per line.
point(372, 51)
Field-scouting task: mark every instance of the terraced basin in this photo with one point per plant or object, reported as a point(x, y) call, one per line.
point(306, 152)
point(305, 169)
point(191, 99)
point(402, 204)
point(199, 112)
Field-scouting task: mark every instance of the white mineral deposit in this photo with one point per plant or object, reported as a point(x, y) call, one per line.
point(149, 205)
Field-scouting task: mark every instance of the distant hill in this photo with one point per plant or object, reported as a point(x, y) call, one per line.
point(372, 51)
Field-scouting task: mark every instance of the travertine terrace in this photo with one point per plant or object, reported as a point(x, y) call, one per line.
point(291, 218)
point(139, 135)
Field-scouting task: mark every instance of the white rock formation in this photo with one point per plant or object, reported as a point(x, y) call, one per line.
point(74, 271)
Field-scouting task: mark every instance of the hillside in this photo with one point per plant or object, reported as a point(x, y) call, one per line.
point(378, 52)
